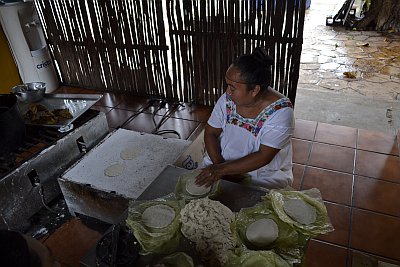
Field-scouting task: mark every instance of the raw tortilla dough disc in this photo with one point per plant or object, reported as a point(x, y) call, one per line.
point(129, 153)
point(194, 189)
point(158, 216)
point(300, 211)
point(114, 170)
point(262, 232)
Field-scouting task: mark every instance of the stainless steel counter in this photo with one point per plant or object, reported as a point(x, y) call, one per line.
point(234, 196)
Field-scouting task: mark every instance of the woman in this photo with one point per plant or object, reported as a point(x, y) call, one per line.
point(250, 128)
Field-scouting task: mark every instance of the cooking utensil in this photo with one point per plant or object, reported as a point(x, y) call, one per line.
point(30, 92)
point(12, 126)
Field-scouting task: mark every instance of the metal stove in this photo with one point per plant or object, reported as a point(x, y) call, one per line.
point(89, 191)
point(28, 176)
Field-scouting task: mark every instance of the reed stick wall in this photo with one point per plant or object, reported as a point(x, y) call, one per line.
point(172, 49)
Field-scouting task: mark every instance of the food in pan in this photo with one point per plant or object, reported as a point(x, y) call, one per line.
point(40, 114)
point(62, 113)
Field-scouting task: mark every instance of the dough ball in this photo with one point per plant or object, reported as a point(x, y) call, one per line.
point(194, 189)
point(300, 211)
point(129, 153)
point(158, 216)
point(114, 170)
point(262, 232)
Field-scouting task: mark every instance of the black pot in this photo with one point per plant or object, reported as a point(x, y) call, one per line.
point(12, 125)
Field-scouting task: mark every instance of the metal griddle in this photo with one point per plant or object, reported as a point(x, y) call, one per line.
point(87, 190)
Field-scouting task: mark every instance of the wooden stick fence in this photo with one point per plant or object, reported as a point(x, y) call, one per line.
point(173, 49)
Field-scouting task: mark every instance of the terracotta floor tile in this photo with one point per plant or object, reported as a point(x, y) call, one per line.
point(183, 127)
point(398, 140)
point(305, 129)
point(340, 219)
point(360, 259)
point(143, 122)
point(377, 142)
point(193, 112)
point(336, 135)
point(321, 254)
point(116, 117)
point(376, 233)
point(161, 108)
point(332, 157)
point(301, 150)
point(329, 183)
point(102, 109)
point(130, 102)
point(377, 195)
point(298, 171)
point(71, 241)
point(385, 167)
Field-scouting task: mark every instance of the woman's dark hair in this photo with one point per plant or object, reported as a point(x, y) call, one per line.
point(255, 68)
point(14, 249)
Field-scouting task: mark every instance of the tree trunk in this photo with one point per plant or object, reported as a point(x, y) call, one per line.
point(383, 15)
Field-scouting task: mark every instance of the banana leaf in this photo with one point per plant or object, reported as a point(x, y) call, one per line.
point(249, 258)
point(312, 197)
point(289, 243)
point(178, 259)
point(182, 193)
point(155, 240)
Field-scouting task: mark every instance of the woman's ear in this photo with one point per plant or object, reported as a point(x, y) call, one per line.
point(255, 90)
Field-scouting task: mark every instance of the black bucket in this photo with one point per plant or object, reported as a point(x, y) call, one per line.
point(12, 125)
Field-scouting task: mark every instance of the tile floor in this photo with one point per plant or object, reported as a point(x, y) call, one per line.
point(357, 172)
point(327, 53)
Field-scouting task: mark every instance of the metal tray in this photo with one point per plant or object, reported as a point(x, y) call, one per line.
point(76, 103)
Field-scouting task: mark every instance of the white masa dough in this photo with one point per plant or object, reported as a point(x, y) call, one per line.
point(129, 153)
point(262, 232)
point(158, 216)
point(300, 211)
point(194, 189)
point(114, 170)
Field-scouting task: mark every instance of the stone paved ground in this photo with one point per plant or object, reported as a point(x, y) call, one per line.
point(372, 57)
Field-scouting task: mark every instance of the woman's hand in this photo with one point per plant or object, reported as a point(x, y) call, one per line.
point(209, 175)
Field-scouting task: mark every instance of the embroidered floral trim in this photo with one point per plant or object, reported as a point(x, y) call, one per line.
point(253, 125)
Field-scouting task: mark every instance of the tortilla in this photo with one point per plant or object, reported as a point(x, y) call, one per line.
point(114, 170)
point(300, 211)
point(194, 189)
point(158, 216)
point(129, 153)
point(262, 232)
